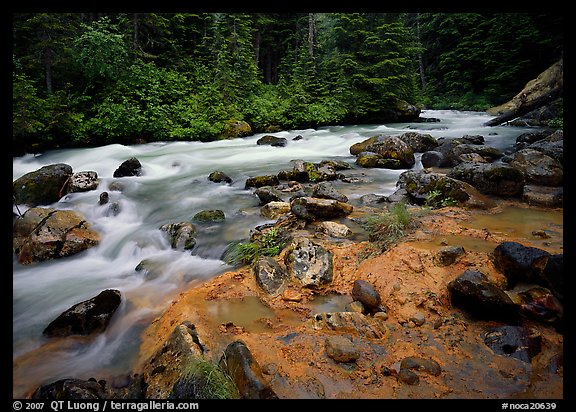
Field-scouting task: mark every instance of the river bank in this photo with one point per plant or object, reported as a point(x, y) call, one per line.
point(287, 333)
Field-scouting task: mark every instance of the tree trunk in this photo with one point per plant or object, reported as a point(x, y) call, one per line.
point(311, 33)
point(420, 60)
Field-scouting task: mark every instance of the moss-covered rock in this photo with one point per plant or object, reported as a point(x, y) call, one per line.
point(209, 216)
point(261, 181)
point(43, 186)
point(236, 128)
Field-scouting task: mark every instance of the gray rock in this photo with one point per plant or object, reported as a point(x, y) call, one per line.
point(130, 167)
point(421, 364)
point(311, 208)
point(270, 276)
point(83, 181)
point(268, 194)
point(325, 190)
point(448, 255)
point(498, 179)
point(272, 141)
point(309, 262)
point(515, 341)
point(432, 158)
point(545, 196)
point(538, 168)
point(180, 235)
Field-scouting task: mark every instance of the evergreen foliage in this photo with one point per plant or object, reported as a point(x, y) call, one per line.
point(97, 78)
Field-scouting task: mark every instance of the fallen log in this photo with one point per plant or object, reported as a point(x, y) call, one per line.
point(526, 107)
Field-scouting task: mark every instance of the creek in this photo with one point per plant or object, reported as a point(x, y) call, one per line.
point(174, 186)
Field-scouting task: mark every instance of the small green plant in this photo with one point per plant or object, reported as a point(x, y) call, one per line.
point(435, 199)
point(203, 380)
point(385, 229)
point(247, 253)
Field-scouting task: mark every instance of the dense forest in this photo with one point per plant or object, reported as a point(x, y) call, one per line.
point(84, 79)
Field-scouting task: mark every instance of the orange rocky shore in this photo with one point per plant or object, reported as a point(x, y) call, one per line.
point(312, 343)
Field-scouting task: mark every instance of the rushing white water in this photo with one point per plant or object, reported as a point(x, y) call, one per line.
point(173, 188)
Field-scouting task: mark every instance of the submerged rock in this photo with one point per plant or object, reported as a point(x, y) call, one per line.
point(209, 216)
point(180, 235)
point(515, 341)
point(272, 141)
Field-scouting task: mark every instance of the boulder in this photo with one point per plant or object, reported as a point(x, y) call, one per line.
point(268, 194)
point(130, 167)
point(419, 142)
point(219, 177)
point(310, 263)
point(432, 158)
point(421, 364)
point(334, 229)
point(71, 389)
point(311, 208)
point(43, 234)
point(83, 182)
point(520, 263)
point(87, 317)
point(538, 168)
point(259, 181)
point(180, 235)
point(209, 216)
point(273, 210)
point(325, 190)
point(272, 141)
point(497, 179)
point(545, 196)
point(419, 184)
point(391, 147)
point(270, 276)
point(43, 186)
point(474, 293)
point(375, 160)
point(236, 128)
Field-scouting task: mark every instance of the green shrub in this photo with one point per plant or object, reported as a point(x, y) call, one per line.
point(247, 253)
point(387, 228)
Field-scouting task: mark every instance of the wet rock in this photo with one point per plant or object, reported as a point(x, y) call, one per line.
point(259, 181)
point(355, 306)
point(341, 349)
point(419, 142)
point(150, 269)
point(538, 168)
point(421, 364)
point(270, 140)
point(71, 389)
point(270, 276)
point(520, 263)
point(296, 138)
point(273, 210)
point(113, 209)
point(420, 183)
point(43, 186)
point(335, 164)
point(528, 138)
point(367, 294)
point(409, 377)
point(515, 341)
point(43, 234)
point(180, 235)
point(219, 177)
point(268, 194)
point(309, 262)
point(392, 147)
point(130, 167)
point(116, 186)
point(310, 208)
point(104, 198)
point(432, 158)
point(448, 255)
point(543, 196)
point(350, 322)
point(540, 304)
point(473, 292)
point(333, 229)
point(245, 371)
point(552, 146)
point(87, 317)
point(83, 182)
point(498, 179)
point(360, 147)
point(375, 160)
point(325, 190)
point(209, 216)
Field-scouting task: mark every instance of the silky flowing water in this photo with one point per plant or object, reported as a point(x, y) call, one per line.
point(174, 186)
